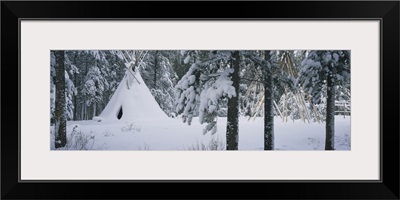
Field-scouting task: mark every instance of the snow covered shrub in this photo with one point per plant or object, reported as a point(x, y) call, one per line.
point(107, 133)
point(130, 128)
point(215, 144)
point(76, 140)
point(145, 147)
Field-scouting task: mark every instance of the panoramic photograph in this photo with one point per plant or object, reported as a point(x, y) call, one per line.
point(200, 100)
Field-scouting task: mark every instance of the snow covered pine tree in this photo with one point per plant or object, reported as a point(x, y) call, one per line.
point(268, 102)
point(326, 68)
point(232, 127)
point(214, 75)
point(159, 76)
point(267, 65)
point(60, 115)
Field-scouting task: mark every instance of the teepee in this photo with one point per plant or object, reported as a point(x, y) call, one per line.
point(131, 101)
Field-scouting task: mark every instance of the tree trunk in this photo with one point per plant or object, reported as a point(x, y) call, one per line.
point(232, 129)
point(75, 94)
point(74, 99)
point(84, 99)
point(330, 111)
point(268, 104)
point(82, 111)
point(94, 110)
point(60, 115)
point(84, 108)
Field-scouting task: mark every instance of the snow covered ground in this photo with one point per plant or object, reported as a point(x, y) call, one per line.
point(172, 134)
point(144, 126)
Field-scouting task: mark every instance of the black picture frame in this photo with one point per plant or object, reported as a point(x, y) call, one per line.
point(386, 11)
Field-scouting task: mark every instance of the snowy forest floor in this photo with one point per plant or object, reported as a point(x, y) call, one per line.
point(172, 134)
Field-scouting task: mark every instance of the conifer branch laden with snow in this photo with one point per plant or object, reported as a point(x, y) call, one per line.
point(203, 87)
point(187, 94)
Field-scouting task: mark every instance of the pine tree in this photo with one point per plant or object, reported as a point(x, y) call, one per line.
point(188, 88)
point(232, 128)
point(212, 77)
point(266, 86)
point(160, 78)
point(268, 82)
point(94, 88)
point(326, 69)
point(79, 69)
point(265, 79)
point(60, 115)
point(52, 86)
point(70, 90)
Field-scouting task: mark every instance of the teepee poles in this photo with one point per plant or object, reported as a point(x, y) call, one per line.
point(142, 55)
point(290, 100)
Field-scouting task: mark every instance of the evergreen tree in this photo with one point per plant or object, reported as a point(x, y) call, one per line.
point(94, 88)
point(70, 90)
point(160, 78)
point(60, 110)
point(268, 81)
point(326, 69)
point(52, 86)
point(232, 129)
point(213, 76)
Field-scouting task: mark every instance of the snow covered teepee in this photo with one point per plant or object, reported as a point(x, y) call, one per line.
point(131, 101)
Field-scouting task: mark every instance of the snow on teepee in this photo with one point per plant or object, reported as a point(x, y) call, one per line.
point(131, 101)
